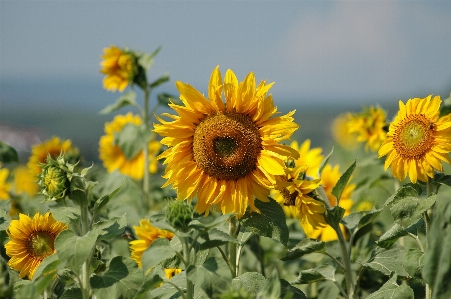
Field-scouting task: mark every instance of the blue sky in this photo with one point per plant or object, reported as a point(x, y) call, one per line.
point(362, 52)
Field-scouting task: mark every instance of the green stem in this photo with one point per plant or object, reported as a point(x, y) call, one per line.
point(146, 187)
point(233, 228)
point(187, 259)
point(85, 287)
point(346, 262)
point(427, 215)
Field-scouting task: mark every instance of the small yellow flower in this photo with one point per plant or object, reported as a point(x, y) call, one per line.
point(418, 140)
point(119, 66)
point(54, 147)
point(311, 158)
point(294, 194)
point(369, 127)
point(24, 181)
point(31, 241)
point(114, 159)
point(329, 179)
point(5, 186)
point(146, 234)
point(340, 132)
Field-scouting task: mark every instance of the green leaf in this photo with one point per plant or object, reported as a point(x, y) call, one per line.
point(337, 190)
point(73, 250)
point(164, 99)
point(437, 259)
point(110, 228)
point(358, 220)
point(7, 153)
point(391, 236)
point(5, 220)
point(324, 162)
point(411, 207)
point(168, 290)
point(413, 262)
point(406, 191)
point(442, 179)
point(131, 139)
point(387, 261)
point(207, 223)
point(26, 289)
point(153, 279)
point(122, 279)
point(125, 100)
point(289, 291)
point(101, 202)
point(48, 266)
point(391, 290)
point(252, 282)
point(272, 288)
point(270, 222)
point(216, 238)
point(325, 272)
point(73, 293)
point(157, 252)
point(66, 214)
point(146, 60)
point(304, 247)
point(163, 79)
point(211, 277)
point(334, 215)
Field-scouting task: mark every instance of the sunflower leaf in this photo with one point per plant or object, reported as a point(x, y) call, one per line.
point(4, 220)
point(391, 236)
point(270, 222)
point(211, 277)
point(163, 79)
point(146, 60)
point(216, 238)
point(304, 247)
point(48, 266)
point(324, 162)
point(337, 190)
point(387, 261)
point(272, 287)
point(325, 272)
point(153, 279)
point(8, 153)
point(110, 228)
point(131, 139)
point(125, 100)
point(357, 220)
point(253, 282)
point(411, 207)
point(121, 280)
point(413, 262)
point(391, 290)
point(157, 252)
point(164, 99)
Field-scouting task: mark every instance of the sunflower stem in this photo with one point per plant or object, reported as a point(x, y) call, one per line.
point(428, 222)
point(233, 246)
point(85, 287)
point(187, 259)
point(146, 187)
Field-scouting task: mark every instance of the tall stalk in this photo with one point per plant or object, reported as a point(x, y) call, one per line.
point(85, 287)
point(427, 216)
point(233, 227)
point(146, 187)
point(187, 259)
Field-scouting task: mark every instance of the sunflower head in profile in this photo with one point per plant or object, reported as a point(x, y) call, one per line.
point(340, 132)
point(119, 67)
point(369, 126)
point(113, 157)
point(418, 140)
point(295, 194)
point(309, 157)
point(225, 152)
point(53, 147)
point(31, 241)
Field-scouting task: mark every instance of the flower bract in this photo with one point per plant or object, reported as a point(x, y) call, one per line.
point(31, 241)
point(225, 152)
point(418, 140)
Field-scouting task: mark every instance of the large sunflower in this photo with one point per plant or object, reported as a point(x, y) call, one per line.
point(225, 153)
point(54, 147)
point(5, 186)
point(119, 67)
point(418, 140)
point(369, 126)
point(112, 156)
point(31, 241)
point(329, 178)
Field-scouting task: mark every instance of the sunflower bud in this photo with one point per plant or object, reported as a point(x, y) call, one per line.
point(54, 180)
point(179, 214)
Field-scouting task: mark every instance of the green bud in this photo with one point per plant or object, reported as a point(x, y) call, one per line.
point(179, 214)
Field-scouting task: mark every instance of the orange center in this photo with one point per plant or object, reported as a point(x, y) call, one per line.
point(414, 136)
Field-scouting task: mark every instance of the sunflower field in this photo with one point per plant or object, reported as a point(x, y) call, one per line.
point(217, 199)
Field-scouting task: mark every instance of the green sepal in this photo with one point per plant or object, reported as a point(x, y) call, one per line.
point(304, 247)
point(125, 100)
point(8, 153)
point(337, 190)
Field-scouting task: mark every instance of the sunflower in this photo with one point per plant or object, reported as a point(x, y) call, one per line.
point(329, 178)
point(340, 132)
point(311, 158)
point(418, 140)
point(294, 194)
point(24, 181)
point(119, 66)
point(112, 155)
point(369, 126)
point(54, 147)
point(225, 153)
point(5, 186)
point(146, 234)
point(31, 241)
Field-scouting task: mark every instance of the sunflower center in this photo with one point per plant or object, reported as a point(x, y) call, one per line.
point(41, 244)
point(226, 145)
point(290, 198)
point(414, 136)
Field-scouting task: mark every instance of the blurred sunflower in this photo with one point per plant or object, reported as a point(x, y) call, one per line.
point(54, 147)
point(31, 241)
point(369, 126)
point(225, 153)
point(113, 157)
point(418, 140)
point(294, 194)
point(340, 132)
point(329, 178)
point(24, 181)
point(146, 234)
point(5, 186)
point(311, 158)
point(119, 66)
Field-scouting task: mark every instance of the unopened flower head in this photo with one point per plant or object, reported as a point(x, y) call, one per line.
point(418, 140)
point(119, 66)
point(179, 214)
point(369, 126)
point(225, 153)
